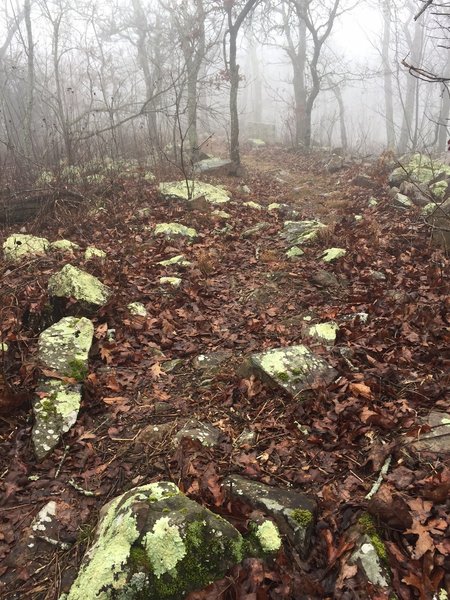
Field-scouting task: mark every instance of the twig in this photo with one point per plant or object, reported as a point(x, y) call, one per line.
point(376, 485)
point(79, 489)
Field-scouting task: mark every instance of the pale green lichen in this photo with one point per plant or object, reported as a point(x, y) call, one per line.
point(64, 347)
point(191, 190)
point(253, 205)
point(93, 252)
point(64, 246)
point(268, 536)
point(301, 232)
point(137, 309)
point(372, 202)
point(439, 188)
point(324, 331)
point(294, 252)
point(164, 546)
point(20, 245)
point(358, 218)
point(274, 206)
point(174, 230)
point(72, 282)
point(178, 260)
point(221, 214)
point(172, 281)
point(333, 254)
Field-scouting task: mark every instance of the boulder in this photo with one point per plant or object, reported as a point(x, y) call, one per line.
point(419, 168)
point(364, 181)
point(20, 245)
point(153, 542)
point(179, 190)
point(64, 347)
point(402, 201)
point(72, 282)
point(214, 166)
point(64, 246)
point(293, 368)
point(417, 192)
point(174, 230)
point(297, 233)
point(293, 511)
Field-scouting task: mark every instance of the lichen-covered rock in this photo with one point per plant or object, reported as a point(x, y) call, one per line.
point(332, 254)
point(55, 411)
point(174, 230)
point(221, 214)
point(419, 168)
point(366, 557)
point(174, 282)
point(297, 233)
point(293, 368)
point(64, 246)
point(251, 204)
point(137, 309)
point(93, 252)
point(72, 282)
point(211, 362)
point(64, 347)
point(20, 245)
point(179, 261)
point(372, 202)
point(325, 332)
point(153, 542)
point(402, 201)
point(251, 231)
point(205, 433)
point(256, 143)
point(53, 523)
point(294, 253)
point(214, 166)
point(293, 512)
point(179, 190)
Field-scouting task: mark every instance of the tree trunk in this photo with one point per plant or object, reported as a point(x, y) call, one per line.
point(342, 126)
point(388, 96)
point(234, 89)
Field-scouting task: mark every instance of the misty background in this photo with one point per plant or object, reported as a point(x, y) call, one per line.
point(94, 81)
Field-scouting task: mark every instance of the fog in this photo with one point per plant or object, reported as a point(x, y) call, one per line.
point(151, 79)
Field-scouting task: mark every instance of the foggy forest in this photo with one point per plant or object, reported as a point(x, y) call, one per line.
point(224, 300)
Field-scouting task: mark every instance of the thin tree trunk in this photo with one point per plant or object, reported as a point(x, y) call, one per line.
point(342, 126)
point(30, 82)
point(388, 96)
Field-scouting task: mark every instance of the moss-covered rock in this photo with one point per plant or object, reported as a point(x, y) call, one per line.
point(419, 168)
point(179, 190)
point(293, 368)
point(174, 230)
point(153, 542)
point(297, 233)
point(72, 282)
point(20, 245)
point(64, 347)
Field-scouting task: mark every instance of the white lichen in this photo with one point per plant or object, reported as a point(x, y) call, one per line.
point(268, 536)
point(164, 546)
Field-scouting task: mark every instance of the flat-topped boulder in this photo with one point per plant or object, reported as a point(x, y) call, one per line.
point(64, 347)
point(72, 282)
point(20, 245)
point(174, 230)
point(214, 166)
point(293, 368)
point(297, 233)
point(293, 511)
point(197, 189)
point(154, 542)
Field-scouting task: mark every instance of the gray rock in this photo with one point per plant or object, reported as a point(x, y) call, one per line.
point(64, 347)
point(366, 558)
point(364, 181)
point(211, 362)
point(437, 439)
point(417, 192)
point(47, 524)
point(293, 369)
point(214, 166)
point(205, 433)
point(297, 233)
point(402, 201)
point(293, 512)
point(72, 282)
point(325, 279)
point(153, 542)
point(251, 231)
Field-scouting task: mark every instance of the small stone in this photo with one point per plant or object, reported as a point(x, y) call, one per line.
point(437, 439)
point(372, 202)
point(221, 214)
point(294, 253)
point(358, 218)
point(297, 233)
point(173, 230)
point(64, 246)
point(324, 331)
point(252, 204)
point(93, 252)
point(211, 362)
point(251, 231)
point(333, 254)
point(178, 260)
point(174, 282)
point(402, 201)
point(205, 433)
point(137, 309)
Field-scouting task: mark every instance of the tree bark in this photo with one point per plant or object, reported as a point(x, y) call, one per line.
point(387, 75)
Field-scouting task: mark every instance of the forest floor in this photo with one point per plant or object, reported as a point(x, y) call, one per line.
point(243, 295)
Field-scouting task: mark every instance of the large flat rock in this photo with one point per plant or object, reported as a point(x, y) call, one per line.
point(197, 189)
point(293, 368)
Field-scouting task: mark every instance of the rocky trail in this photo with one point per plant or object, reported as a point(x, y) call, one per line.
point(263, 381)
